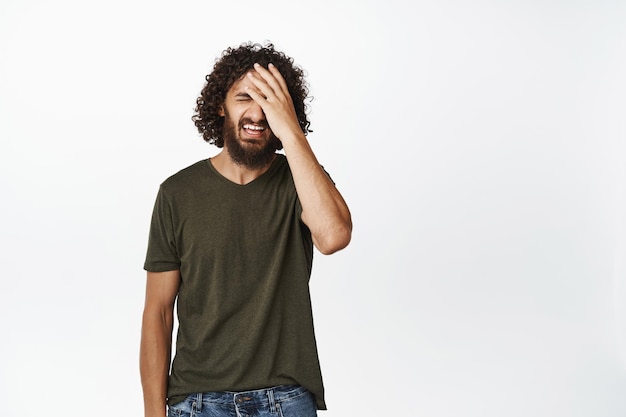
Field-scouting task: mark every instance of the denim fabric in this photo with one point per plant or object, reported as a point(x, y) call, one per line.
point(282, 401)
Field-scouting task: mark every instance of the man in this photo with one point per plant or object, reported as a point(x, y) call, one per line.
point(231, 239)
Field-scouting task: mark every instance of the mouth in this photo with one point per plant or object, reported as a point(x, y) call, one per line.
point(253, 130)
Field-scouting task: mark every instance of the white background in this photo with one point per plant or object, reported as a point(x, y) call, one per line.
point(480, 145)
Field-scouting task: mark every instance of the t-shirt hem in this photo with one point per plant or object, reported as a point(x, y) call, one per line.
point(160, 267)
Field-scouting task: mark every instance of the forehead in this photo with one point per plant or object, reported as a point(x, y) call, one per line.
point(240, 85)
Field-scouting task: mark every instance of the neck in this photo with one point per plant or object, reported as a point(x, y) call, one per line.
point(239, 174)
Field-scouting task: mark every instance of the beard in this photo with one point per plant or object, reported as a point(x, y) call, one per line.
point(253, 155)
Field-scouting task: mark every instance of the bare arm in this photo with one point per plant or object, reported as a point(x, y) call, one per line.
point(156, 339)
point(324, 210)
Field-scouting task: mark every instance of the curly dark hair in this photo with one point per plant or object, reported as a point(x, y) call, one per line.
point(230, 67)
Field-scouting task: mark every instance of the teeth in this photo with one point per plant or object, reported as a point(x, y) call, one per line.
point(253, 127)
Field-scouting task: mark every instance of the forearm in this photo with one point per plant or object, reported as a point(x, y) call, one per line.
point(324, 210)
point(156, 342)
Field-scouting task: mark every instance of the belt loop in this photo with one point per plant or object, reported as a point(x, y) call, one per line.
point(199, 402)
point(270, 397)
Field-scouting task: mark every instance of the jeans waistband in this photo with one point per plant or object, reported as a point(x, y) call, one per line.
point(253, 398)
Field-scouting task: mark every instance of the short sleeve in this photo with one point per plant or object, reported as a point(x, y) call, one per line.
point(162, 254)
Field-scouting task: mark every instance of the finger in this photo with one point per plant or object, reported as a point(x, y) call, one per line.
point(271, 80)
point(261, 85)
point(279, 77)
point(258, 97)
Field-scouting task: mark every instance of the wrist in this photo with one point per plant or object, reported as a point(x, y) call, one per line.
point(293, 139)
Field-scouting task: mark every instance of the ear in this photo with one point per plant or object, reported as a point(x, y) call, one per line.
point(221, 111)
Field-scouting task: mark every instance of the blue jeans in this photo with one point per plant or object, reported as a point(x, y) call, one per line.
point(282, 401)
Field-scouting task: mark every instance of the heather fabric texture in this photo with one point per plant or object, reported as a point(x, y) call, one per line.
point(245, 258)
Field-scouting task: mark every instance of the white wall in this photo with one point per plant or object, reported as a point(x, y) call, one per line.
point(481, 147)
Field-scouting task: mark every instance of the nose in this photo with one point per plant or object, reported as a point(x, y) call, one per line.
point(255, 112)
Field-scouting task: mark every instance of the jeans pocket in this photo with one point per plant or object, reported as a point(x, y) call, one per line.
point(174, 412)
point(302, 405)
point(181, 409)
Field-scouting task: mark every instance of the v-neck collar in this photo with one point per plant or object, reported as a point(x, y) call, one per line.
point(275, 163)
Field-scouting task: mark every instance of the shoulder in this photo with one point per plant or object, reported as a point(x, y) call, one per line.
point(281, 161)
point(280, 169)
point(187, 175)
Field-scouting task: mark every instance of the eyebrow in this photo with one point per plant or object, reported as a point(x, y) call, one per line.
point(242, 95)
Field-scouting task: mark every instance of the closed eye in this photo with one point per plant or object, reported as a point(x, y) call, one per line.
point(243, 97)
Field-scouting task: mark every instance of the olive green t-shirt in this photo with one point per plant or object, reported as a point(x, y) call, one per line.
point(245, 258)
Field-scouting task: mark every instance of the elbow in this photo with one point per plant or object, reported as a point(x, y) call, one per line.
point(335, 241)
